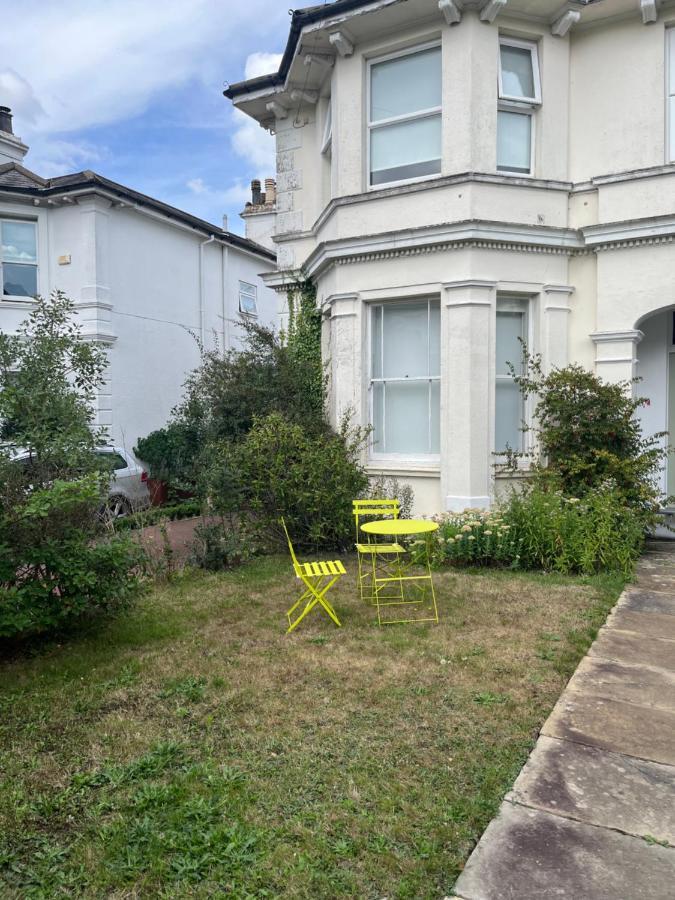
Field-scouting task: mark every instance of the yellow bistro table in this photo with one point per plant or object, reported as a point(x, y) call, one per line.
point(400, 574)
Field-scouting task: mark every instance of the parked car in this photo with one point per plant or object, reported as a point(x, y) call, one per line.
point(128, 491)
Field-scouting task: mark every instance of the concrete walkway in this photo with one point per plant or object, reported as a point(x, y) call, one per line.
point(592, 814)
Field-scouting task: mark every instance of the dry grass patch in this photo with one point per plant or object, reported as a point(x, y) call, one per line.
point(191, 748)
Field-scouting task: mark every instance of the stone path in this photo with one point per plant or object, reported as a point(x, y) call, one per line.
point(592, 814)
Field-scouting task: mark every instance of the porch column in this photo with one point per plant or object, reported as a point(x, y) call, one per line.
point(555, 325)
point(616, 354)
point(342, 350)
point(467, 395)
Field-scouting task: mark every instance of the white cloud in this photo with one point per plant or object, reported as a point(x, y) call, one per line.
point(249, 140)
point(196, 185)
point(75, 64)
point(261, 64)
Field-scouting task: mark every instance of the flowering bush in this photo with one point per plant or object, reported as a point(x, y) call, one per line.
point(538, 529)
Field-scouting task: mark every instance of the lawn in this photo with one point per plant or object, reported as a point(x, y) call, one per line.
point(190, 749)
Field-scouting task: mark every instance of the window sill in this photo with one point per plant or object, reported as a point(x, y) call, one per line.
point(403, 182)
point(404, 466)
point(16, 302)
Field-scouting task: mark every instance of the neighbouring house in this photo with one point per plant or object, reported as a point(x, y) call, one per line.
point(148, 280)
point(454, 176)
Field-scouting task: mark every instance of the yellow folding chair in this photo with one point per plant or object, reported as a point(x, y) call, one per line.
point(318, 578)
point(369, 551)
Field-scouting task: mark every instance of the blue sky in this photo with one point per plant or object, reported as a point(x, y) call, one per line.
point(134, 91)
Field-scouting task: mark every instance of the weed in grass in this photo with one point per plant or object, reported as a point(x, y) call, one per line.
point(189, 688)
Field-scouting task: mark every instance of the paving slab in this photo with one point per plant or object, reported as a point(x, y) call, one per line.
point(599, 788)
point(630, 647)
point(648, 601)
point(657, 581)
point(527, 854)
point(654, 624)
point(641, 731)
point(641, 685)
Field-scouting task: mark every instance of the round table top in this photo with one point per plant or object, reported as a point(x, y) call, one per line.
point(399, 526)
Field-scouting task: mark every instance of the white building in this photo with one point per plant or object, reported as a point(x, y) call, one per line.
point(454, 174)
point(147, 280)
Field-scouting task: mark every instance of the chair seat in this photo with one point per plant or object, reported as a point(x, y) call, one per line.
point(315, 569)
point(380, 548)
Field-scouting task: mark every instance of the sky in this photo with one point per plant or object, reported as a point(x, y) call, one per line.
point(134, 91)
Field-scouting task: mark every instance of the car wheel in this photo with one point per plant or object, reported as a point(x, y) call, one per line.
point(117, 508)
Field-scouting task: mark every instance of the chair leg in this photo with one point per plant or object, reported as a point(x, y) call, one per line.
point(317, 597)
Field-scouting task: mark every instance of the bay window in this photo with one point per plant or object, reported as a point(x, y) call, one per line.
point(405, 377)
point(18, 258)
point(509, 402)
point(519, 96)
point(404, 116)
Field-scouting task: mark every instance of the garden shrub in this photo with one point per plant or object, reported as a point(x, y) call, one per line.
point(55, 564)
point(219, 545)
point(286, 470)
point(589, 435)
point(540, 529)
point(388, 487)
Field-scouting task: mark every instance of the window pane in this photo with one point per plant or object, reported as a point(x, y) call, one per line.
point(19, 243)
point(434, 338)
point(671, 125)
point(671, 60)
point(514, 141)
point(435, 417)
point(406, 417)
point(247, 288)
point(517, 73)
point(509, 348)
point(508, 416)
point(378, 417)
point(405, 348)
point(247, 304)
point(405, 85)
point(376, 350)
point(19, 281)
point(405, 150)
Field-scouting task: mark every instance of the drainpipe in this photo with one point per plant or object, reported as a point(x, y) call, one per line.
point(226, 278)
point(202, 287)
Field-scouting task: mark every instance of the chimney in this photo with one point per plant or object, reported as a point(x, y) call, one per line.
point(6, 119)
point(270, 192)
point(256, 197)
point(225, 222)
point(12, 148)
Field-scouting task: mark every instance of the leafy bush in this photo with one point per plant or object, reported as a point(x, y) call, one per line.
point(170, 453)
point(540, 529)
point(589, 435)
point(171, 512)
point(287, 471)
point(217, 546)
point(388, 487)
point(54, 564)
point(50, 571)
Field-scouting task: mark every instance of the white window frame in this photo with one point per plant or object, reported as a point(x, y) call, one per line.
point(407, 117)
point(670, 64)
point(327, 140)
point(20, 298)
point(536, 74)
point(513, 303)
point(245, 293)
point(524, 106)
point(379, 456)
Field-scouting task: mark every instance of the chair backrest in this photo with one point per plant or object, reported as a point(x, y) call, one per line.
point(379, 509)
point(290, 545)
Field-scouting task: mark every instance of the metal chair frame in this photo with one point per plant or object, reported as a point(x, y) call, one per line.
point(374, 557)
point(318, 578)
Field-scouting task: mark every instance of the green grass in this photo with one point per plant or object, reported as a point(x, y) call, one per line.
point(190, 749)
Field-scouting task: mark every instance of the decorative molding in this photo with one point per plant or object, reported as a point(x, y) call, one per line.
point(341, 42)
point(277, 110)
point(304, 96)
point(319, 59)
point(452, 13)
point(649, 11)
point(562, 25)
point(634, 335)
point(471, 284)
point(492, 9)
point(654, 230)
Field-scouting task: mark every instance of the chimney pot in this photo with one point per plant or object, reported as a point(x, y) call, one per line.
point(270, 192)
point(256, 198)
point(6, 120)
